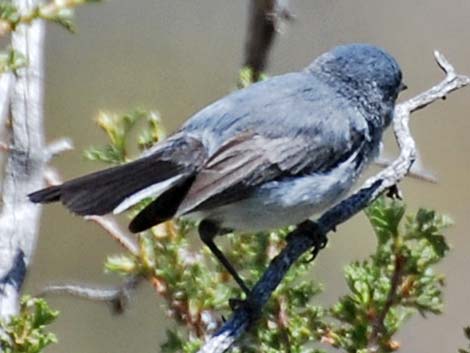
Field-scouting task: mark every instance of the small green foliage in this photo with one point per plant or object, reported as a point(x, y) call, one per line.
point(174, 343)
point(395, 282)
point(121, 264)
point(9, 12)
point(118, 129)
point(178, 343)
point(385, 219)
point(466, 331)
point(11, 60)
point(429, 225)
point(63, 17)
point(60, 12)
point(155, 131)
point(247, 76)
point(26, 332)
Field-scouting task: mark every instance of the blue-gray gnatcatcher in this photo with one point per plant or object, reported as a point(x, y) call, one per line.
point(263, 157)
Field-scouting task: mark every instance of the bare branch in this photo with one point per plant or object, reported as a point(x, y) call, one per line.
point(58, 147)
point(111, 227)
point(106, 223)
point(264, 21)
point(24, 167)
point(306, 235)
point(116, 297)
point(6, 81)
point(416, 172)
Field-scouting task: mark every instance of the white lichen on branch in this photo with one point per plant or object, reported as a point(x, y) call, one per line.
point(24, 166)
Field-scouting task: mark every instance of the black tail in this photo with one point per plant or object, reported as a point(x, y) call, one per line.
point(161, 209)
point(51, 194)
point(101, 192)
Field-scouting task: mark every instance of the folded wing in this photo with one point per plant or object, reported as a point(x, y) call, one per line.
point(249, 160)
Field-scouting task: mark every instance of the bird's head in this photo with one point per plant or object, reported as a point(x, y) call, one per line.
point(362, 72)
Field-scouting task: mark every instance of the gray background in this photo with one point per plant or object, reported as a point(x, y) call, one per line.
point(177, 56)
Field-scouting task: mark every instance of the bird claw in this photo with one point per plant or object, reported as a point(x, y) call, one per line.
point(236, 303)
point(394, 193)
point(320, 244)
point(319, 235)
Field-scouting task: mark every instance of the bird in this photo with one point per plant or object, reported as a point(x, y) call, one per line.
point(267, 156)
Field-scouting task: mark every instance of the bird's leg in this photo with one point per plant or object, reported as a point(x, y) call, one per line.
point(394, 192)
point(319, 234)
point(207, 232)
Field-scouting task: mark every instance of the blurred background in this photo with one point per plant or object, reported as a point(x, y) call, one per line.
point(176, 57)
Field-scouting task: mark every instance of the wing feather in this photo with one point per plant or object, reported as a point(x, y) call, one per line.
point(249, 160)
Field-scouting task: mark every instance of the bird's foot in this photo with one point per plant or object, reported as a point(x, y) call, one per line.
point(236, 303)
point(318, 234)
point(394, 192)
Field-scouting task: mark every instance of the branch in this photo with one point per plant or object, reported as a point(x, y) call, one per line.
point(58, 147)
point(55, 11)
point(265, 18)
point(306, 235)
point(416, 172)
point(116, 297)
point(106, 223)
point(111, 227)
point(378, 323)
point(6, 81)
point(23, 171)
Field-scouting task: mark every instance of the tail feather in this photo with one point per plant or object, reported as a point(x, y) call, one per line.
point(101, 192)
point(161, 209)
point(50, 194)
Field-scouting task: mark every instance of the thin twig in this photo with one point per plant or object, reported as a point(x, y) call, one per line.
point(416, 171)
point(58, 147)
point(283, 324)
point(378, 324)
point(265, 17)
point(110, 226)
point(304, 236)
point(107, 224)
point(117, 297)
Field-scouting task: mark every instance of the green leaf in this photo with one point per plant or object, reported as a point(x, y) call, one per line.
point(154, 133)
point(9, 12)
point(466, 331)
point(385, 216)
point(428, 225)
point(106, 154)
point(25, 332)
point(174, 343)
point(122, 264)
point(64, 18)
point(246, 77)
point(12, 60)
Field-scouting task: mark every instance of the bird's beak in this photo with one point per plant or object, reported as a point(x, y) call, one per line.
point(403, 87)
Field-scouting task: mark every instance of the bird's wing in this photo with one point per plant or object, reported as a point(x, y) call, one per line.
point(249, 159)
point(171, 163)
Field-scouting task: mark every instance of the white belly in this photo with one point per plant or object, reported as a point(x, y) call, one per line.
point(291, 201)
